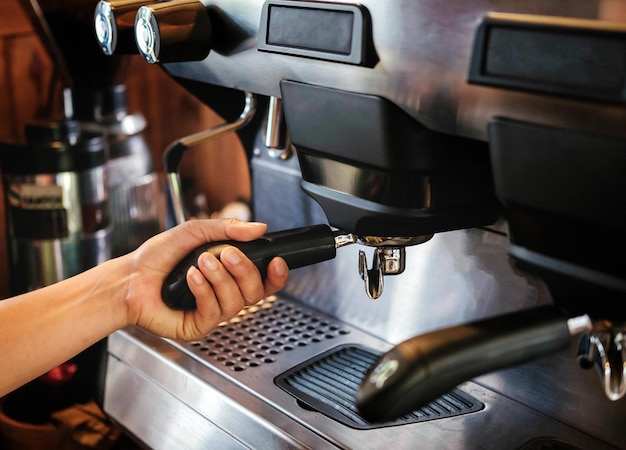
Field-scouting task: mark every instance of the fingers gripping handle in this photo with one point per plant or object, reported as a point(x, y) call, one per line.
point(298, 247)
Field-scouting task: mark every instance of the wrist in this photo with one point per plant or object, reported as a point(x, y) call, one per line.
point(110, 285)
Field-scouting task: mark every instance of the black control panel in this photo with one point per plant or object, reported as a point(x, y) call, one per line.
point(578, 58)
point(329, 31)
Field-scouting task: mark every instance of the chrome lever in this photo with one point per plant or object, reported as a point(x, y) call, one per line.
point(605, 349)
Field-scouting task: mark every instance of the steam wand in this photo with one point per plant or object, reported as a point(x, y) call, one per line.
point(605, 348)
point(174, 153)
point(420, 369)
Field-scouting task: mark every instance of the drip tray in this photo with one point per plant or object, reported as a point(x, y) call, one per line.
point(329, 382)
point(272, 332)
point(264, 334)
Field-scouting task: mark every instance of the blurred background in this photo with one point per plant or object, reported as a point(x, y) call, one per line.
point(30, 89)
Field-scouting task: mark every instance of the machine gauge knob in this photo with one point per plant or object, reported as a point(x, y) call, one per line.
point(114, 24)
point(173, 31)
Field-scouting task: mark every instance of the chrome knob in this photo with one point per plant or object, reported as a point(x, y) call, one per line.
point(104, 25)
point(174, 31)
point(114, 25)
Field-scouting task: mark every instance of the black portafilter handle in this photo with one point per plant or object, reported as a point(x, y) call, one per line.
point(299, 247)
point(423, 368)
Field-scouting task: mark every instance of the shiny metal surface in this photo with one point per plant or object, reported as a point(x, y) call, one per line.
point(466, 274)
point(105, 27)
point(386, 261)
point(138, 208)
point(178, 30)
point(41, 262)
point(214, 416)
point(276, 136)
point(175, 150)
point(83, 240)
point(114, 25)
point(250, 408)
point(373, 185)
point(414, 71)
point(133, 187)
point(604, 349)
point(342, 239)
point(455, 277)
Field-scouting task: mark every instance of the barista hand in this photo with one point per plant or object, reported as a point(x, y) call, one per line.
point(232, 284)
point(46, 327)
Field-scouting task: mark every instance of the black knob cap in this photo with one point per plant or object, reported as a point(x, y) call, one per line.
point(114, 24)
point(175, 31)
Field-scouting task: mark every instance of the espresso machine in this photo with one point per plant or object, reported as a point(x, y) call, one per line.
point(444, 179)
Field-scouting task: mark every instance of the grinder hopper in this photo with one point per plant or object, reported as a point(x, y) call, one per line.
point(94, 95)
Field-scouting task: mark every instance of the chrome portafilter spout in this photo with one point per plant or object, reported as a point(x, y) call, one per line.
point(389, 259)
point(604, 347)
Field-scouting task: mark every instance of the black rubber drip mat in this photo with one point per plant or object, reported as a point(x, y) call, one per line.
point(329, 382)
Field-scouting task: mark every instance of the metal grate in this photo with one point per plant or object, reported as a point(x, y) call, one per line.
point(262, 333)
point(329, 384)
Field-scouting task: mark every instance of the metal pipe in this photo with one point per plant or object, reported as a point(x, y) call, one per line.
point(276, 138)
point(174, 153)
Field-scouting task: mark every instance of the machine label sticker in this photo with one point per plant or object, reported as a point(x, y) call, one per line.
point(30, 196)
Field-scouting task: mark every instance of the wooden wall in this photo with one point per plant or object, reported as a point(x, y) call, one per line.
point(27, 84)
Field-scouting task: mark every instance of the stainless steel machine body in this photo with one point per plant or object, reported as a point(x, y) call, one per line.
point(189, 395)
point(228, 390)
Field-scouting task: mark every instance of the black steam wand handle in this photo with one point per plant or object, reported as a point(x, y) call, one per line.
point(299, 247)
point(421, 369)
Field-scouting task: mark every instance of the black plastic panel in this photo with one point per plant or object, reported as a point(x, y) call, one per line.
point(329, 383)
point(299, 28)
point(576, 175)
point(551, 55)
point(564, 193)
point(329, 31)
point(376, 171)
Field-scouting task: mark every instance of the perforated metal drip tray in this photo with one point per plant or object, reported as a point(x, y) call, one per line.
point(277, 330)
point(329, 383)
point(261, 334)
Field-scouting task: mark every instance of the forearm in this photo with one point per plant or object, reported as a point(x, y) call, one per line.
point(44, 328)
